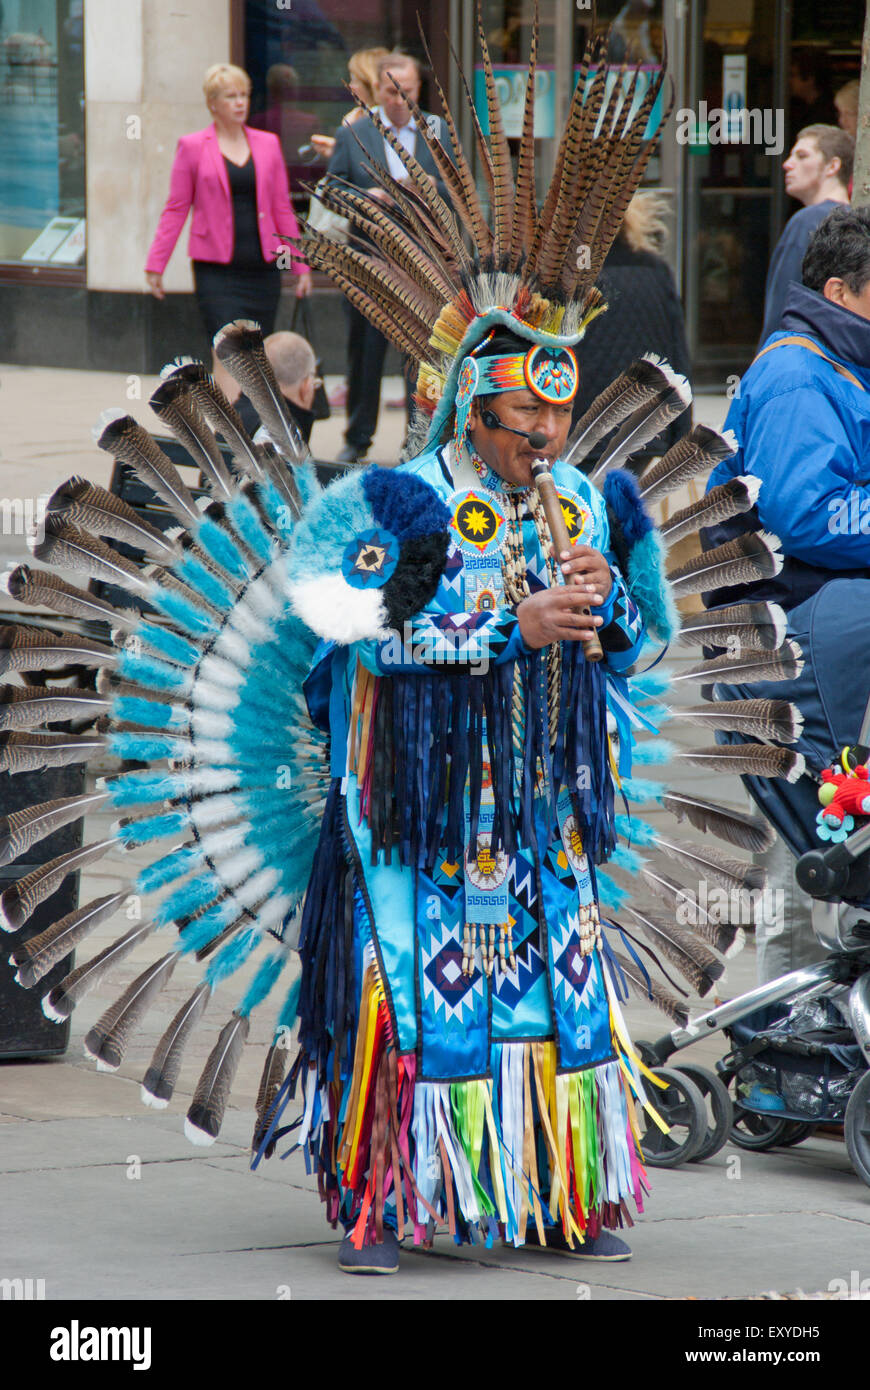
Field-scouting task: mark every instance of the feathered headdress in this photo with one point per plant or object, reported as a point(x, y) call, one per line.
point(437, 279)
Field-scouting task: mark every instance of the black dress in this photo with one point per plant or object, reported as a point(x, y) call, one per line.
point(249, 286)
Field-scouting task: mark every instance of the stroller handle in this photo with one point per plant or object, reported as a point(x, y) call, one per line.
point(838, 872)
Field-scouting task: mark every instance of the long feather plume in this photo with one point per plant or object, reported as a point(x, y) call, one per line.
point(501, 159)
point(25, 707)
point(41, 589)
point(22, 898)
point(756, 626)
point(34, 958)
point(707, 921)
point(746, 760)
point(215, 406)
point(646, 422)
point(742, 561)
point(695, 962)
point(175, 403)
point(637, 386)
point(160, 1079)
point(21, 830)
point(92, 508)
point(59, 1003)
point(777, 720)
point(239, 345)
point(525, 207)
point(206, 1113)
point(67, 547)
point(726, 822)
point(720, 504)
point(270, 1083)
point(675, 1009)
point(701, 449)
point(707, 862)
point(784, 664)
point(107, 1040)
point(124, 438)
point(38, 649)
point(28, 752)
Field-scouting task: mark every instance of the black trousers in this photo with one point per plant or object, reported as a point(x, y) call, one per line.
point(366, 351)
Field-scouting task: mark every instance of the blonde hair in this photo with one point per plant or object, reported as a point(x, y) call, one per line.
point(847, 96)
point(645, 227)
point(221, 75)
point(363, 68)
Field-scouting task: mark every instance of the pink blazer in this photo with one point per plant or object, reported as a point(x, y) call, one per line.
point(199, 179)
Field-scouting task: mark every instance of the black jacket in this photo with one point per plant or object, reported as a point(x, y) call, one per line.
point(349, 160)
point(644, 314)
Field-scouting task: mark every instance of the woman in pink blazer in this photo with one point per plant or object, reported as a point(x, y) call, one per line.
point(235, 179)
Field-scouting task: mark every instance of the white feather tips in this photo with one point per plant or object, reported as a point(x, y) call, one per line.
point(51, 1012)
point(773, 544)
point(197, 1135)
point(148, 1098)
point(105, 419)
point(336, 612)
point(752, 485)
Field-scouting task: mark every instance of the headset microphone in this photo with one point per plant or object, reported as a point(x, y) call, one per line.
point(537, 439)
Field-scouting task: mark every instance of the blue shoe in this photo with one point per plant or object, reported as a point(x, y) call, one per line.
point(372, 1259)
point(606, 1248)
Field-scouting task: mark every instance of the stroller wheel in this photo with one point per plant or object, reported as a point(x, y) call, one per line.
point(857, 1128)
point(759, 1132)
point(682, 1107)
point(796, 1133)
point(720, 1111)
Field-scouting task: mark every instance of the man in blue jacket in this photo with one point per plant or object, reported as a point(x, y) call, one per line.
point(802, 421)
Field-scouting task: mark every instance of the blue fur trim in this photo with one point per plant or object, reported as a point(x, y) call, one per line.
point(182, 612)
point(217, 544)
point(636, 831)
point(290, 1007)
point(198, 578)
point(169, 644)
point(136, 788)
point(650, 684)
point(626, 859)
point(329, 524)
point(621, 493)
point(650, 589)
point(249, 527)
point(171, 866)
point(610, 892)
point(404, 504)
point(277, 510)
point(652, 752)
point(231, 956)
point(154, 827)
point(637, 789)
point(307, 482)
point(144, 748)
point(127, 709)
point(207, 926)
point(147, 670)
point(187, 900)
point(262, 983)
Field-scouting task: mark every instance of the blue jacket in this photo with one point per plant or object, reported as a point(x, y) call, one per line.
point(804, 430)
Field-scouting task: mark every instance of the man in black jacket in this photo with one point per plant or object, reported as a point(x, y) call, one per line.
point(356, 146)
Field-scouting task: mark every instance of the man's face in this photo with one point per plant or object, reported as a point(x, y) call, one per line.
point(839, 293)
point(390, 101)
point(804, 171)
point(507, 454)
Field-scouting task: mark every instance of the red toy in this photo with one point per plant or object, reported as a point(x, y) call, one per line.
point(843, 794)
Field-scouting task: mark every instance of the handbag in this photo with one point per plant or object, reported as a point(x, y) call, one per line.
point(301, 323)
point(328, 223)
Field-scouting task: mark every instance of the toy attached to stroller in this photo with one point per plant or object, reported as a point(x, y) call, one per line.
point(800, 1045)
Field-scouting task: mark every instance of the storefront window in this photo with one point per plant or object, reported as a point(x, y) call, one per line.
point(297, 57)
point(42, 138)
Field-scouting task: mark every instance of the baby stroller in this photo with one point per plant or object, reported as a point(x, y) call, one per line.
point(800, 1044)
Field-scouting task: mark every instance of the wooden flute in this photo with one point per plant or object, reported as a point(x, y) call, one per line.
point(592, 649)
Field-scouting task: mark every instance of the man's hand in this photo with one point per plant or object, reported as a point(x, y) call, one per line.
point(592, 568)
point(553, 616)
